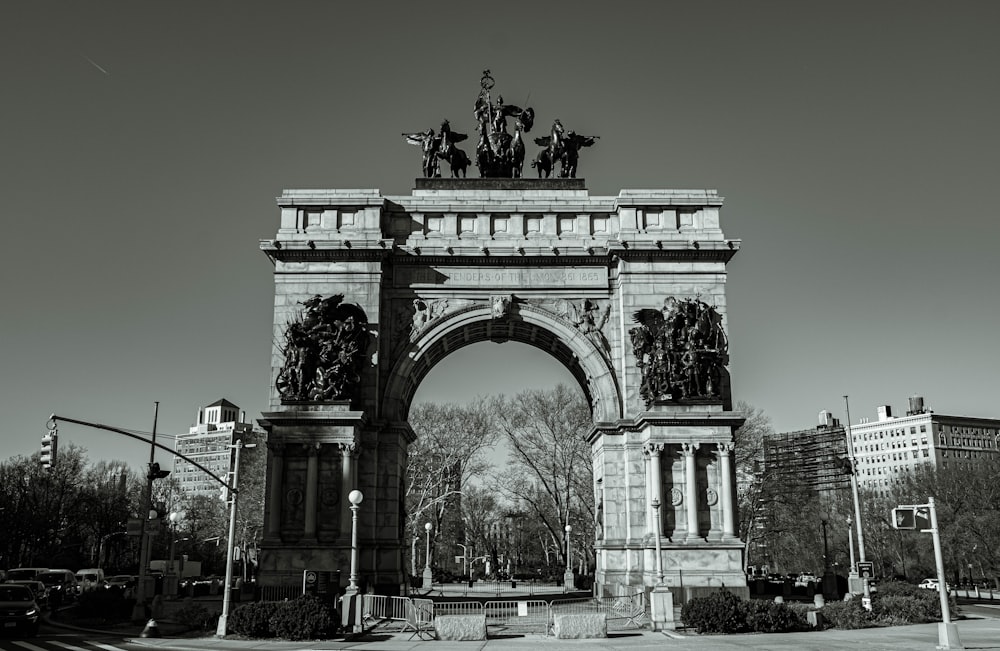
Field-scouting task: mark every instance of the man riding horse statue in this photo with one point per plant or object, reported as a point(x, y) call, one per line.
point(562, 146)
point(440, 146)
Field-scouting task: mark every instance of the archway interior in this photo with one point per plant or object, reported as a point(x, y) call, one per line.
point(459, 359)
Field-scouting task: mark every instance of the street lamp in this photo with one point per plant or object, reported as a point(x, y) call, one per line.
point(656, 536)
point(354, 497)
point(568, 577)
point(428, 577)
point(850, 544)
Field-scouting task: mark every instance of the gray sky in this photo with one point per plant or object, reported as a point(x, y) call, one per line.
point(142, 146)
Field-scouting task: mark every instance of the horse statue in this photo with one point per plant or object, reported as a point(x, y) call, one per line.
point(543, 163)
point(517, 151)
point(430, 144)
point(571, 153)
point(457, 159)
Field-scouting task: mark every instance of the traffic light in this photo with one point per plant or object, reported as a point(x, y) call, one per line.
point(156, 473)
point(49, 444)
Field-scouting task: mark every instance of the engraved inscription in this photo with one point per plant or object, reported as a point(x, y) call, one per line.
point(471, 276)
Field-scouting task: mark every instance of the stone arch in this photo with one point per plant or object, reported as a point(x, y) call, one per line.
point(528, 324)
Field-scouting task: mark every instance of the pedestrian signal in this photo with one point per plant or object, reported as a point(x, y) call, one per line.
point(904, 518)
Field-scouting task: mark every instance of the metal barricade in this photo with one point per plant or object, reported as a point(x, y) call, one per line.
point(278, 592)
point(623, 612)
point(528, 616)
point(457, 607)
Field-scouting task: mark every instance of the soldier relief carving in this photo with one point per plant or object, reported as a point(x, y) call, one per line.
point(681, 350)
point(323, 350)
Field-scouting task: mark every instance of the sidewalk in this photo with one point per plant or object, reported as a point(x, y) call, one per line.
point(974, 633)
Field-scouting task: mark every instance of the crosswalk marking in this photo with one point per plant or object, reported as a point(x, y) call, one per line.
point(28, 645)
point(106, 647)
point(67, 646)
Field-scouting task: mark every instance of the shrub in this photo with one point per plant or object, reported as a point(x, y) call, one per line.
point(900, 609)
point(253, 620)
point(197, 616)
point(846, 614)
point(720, 612)
point(305, 618)
point(771, 617)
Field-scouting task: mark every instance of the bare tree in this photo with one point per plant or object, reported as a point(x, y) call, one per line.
point(449, 451)
point(550, 469)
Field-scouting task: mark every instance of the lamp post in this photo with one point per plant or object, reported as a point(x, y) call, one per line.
point(220, 630)
point(465, 559)
point(824, 519)
point(428, 577)
point(866, 600)
point(568, 578)
point(354, 498)
point(850, 544)
point(656, 536)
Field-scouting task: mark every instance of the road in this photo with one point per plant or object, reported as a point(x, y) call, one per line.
point(50, 638)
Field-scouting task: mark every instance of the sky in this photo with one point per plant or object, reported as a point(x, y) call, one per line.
point(142, 146)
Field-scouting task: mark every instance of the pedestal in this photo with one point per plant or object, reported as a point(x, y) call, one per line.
point(661, 602)
point(428, 579)
point(569, 581)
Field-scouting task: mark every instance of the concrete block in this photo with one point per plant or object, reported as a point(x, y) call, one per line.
point(579, 626)
point(460, 627)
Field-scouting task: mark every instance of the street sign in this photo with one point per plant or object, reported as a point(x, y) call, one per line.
point(866, 569)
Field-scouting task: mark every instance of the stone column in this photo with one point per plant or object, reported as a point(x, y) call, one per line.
point(691, 489)
point(346, 486)
point(653, 452)
point(274, 484)
point(728, 512)
point(312, 488)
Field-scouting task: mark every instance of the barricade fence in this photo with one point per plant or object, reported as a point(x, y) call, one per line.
point(627, 611)
point(278, 592)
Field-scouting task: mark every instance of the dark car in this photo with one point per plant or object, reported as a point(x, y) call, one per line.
point(38, 590)
point(62, 586)
point(124, 583)
point(18, 610)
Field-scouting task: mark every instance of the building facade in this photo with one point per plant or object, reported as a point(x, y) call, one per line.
point(814, 457)
point(890, 448)
point(209, 442)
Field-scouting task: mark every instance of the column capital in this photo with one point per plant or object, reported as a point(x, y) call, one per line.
point(312, 449)
point(649, 449)
point(277, 448)
point(726, 448)
point(690, 448)
point(348, 449)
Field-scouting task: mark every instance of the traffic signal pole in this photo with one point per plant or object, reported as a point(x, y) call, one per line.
point(139, 610)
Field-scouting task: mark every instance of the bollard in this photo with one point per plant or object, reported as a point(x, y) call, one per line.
point(150, 630)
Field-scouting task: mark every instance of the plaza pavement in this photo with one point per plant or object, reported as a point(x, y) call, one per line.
point(978, 633)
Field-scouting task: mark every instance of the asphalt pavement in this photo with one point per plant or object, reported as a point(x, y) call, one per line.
point(974, 633)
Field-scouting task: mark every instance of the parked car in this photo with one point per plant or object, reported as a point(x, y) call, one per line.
point(930, 584)
point(18, 609)
point(25, 573)
point(776, 578)
point(125, 583)
point(804, 580)
point(38, 590)
point(90, 579)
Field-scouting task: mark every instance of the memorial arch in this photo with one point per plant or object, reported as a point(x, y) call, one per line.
point(627, 291)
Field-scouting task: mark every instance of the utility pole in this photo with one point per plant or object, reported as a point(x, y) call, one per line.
point(220, 630)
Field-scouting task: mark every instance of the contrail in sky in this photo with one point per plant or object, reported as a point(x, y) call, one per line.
point(93, 63)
